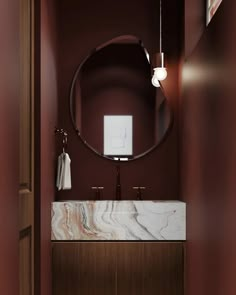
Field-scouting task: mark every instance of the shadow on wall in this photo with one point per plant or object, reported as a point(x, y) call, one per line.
point(208, 108)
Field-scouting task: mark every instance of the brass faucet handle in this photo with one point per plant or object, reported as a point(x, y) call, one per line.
point(97, 190)
point(97, 187)
point(139, 190)
point(139, 187)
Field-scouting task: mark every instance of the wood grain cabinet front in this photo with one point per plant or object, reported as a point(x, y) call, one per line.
point(118, 268)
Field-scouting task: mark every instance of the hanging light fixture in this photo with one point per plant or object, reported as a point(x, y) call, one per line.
point(160, 72)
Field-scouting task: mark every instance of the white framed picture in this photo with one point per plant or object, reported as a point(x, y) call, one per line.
point(212, 6)
point(118, 135)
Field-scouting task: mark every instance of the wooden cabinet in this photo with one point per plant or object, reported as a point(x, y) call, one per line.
point(118, 268)
point(150, 268)
point(84, 269)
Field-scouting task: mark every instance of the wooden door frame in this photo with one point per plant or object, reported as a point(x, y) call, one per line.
point(29, 194)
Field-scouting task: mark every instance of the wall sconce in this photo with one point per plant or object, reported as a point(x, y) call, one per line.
point(160, 72)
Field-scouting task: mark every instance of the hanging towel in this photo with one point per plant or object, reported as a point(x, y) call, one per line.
point(63, 172)
point(66, 176)
point(59, 166)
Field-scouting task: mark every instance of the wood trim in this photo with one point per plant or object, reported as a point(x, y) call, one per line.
point(27, 101)
point(36, 56)
point(184, 268)
point(26, 190)
point(27, 146)
point(25, 248)
point(25, 232)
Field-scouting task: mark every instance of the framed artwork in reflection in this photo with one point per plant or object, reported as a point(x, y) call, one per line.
point(118, 135)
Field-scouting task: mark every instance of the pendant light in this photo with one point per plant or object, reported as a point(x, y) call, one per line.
point(160, 72)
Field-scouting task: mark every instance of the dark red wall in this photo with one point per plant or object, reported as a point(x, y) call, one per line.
point(209, 157)
point(83, 25)
point(195, 20)
point(9, 145)
point(48, 121)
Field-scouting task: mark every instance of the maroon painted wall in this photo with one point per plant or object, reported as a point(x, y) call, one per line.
point(48, 119)
point(195, 20)
point(208, 163)
point(83, 25)
point(9, 145)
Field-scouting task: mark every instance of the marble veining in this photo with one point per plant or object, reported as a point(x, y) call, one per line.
point(118, 220)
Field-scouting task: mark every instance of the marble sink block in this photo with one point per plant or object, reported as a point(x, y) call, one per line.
point(119, 220)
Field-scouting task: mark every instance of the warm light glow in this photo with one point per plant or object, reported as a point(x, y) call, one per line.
point(159, 75)
point(155, 81)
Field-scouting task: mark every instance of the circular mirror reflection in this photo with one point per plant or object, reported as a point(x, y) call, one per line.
point(115, 109)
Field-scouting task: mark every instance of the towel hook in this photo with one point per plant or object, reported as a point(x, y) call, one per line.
point(64, 138)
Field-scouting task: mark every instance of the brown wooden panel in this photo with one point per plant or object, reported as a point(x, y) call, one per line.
point(26, 211)
point(130, 268)
point(120, 268)
point(26, 103)
point(164, 269)
point(25, 262)
point(150, 268)
point(26, 124)
point(84, 268)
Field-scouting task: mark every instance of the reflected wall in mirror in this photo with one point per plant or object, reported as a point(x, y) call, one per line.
point(114, 80)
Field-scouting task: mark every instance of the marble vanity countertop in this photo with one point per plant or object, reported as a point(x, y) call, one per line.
point(118, 220)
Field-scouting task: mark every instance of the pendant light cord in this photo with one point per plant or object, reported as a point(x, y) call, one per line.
point(160, 26)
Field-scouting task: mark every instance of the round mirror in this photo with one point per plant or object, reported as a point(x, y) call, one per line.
point(115, 109)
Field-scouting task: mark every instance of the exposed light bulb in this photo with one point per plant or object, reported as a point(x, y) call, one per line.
point(155, 81)
point(160, 73)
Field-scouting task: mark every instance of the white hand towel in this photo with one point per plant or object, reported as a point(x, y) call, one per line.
point(66, 177)
point(59, 171)
point(63, 172)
